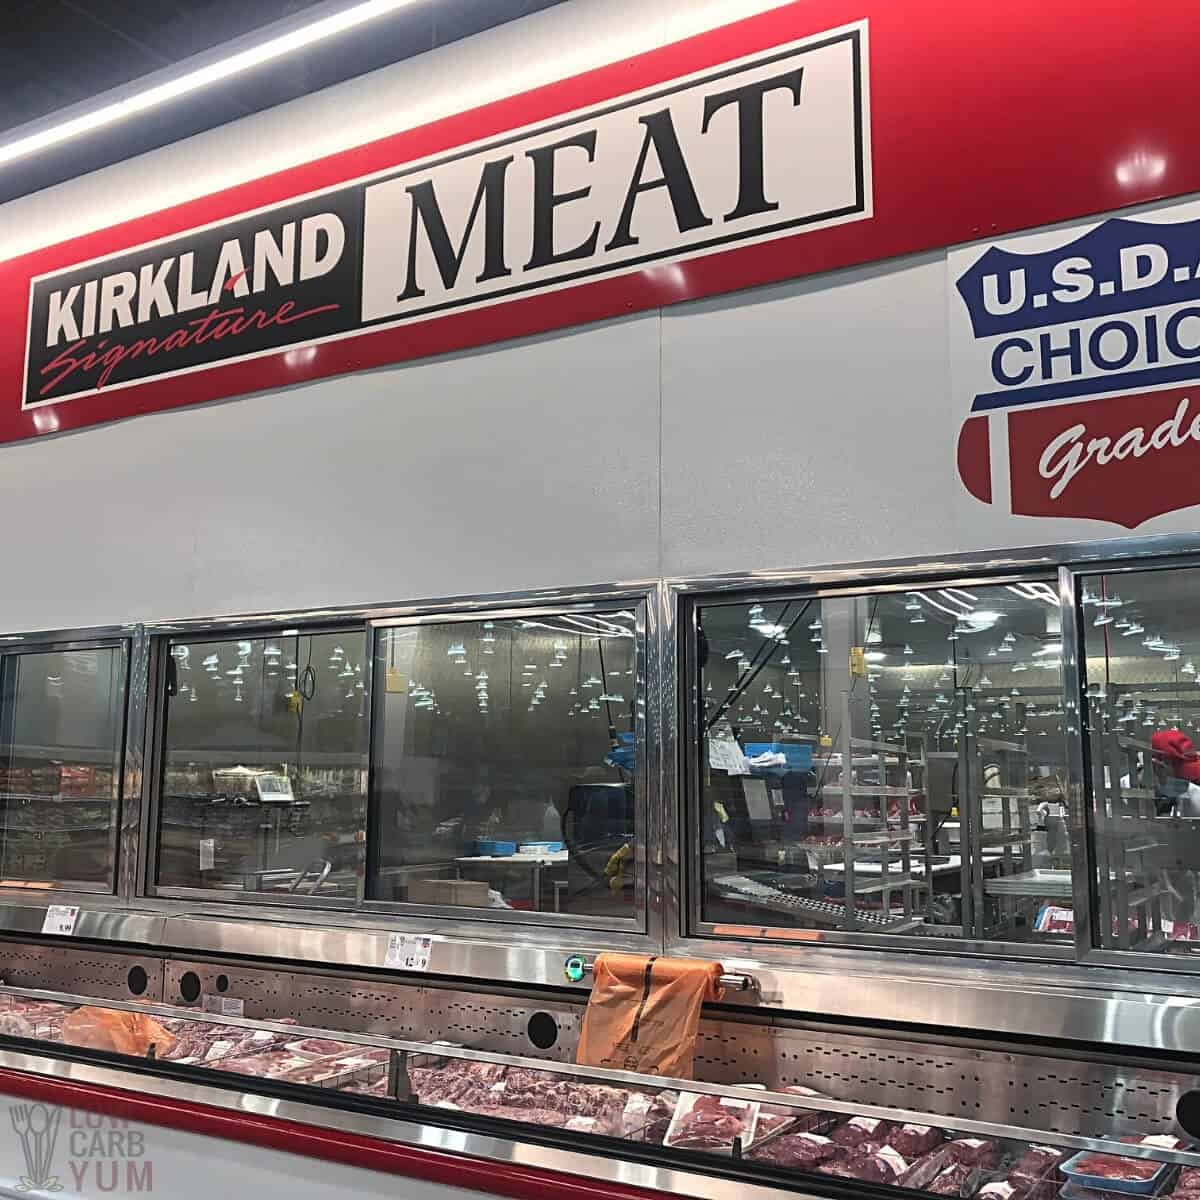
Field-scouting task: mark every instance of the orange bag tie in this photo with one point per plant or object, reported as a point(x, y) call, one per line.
point(644, 1013)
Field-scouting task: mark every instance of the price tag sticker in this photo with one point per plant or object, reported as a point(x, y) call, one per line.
point(408, 952)
point(724, 754)
point(223, 1006)
point(60, 919)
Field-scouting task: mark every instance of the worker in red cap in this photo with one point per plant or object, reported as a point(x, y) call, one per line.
point(1179, 765)
point(1178, 768)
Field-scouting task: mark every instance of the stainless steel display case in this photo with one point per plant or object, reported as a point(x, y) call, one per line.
point(1043, 990)
point(374, 1075)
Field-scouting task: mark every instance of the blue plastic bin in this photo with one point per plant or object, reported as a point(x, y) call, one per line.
point(494, 849)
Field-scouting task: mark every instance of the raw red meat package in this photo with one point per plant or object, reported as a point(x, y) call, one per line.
point(646, 1117)
point(950, 1181)
point(858, 1130)
point(911, 1141)
point(1113, 1166)
point(925, 1170)
point(711, 1123)
point(1035, 1164)
point(774, 1117)
point(973, 1152)
point(999, 1189)
point(875, 1166)
point(316, 1047)
point(1188, 1184)
point(801, 1151)
point(547, 1117)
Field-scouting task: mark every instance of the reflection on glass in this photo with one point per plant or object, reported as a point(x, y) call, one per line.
point(264, 765)
point(890, 763)
point(1142, 646)
point(61, 731)
point(504, 759)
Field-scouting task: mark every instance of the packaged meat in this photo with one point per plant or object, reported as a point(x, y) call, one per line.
point(119, 1032)
point(1188, 1183)
point(772, 1118)
point(323, 1070)
point(269, 1064)
point(458, 1081)
point(973, 1152)
point(874, 1166)
point(999, 1189)
point(951, 1180)
point(547, 1117)
point(912, 1141)
point(319, 1047)
point(925, 1170)
point(799, 1151)
point(859, 1130)
point(1035, 1164)
point(711, 1123)
point(1117, 1173)
point(14, 1025)
point(367, 1087)
point(646, 1117)
point(1112, 1166)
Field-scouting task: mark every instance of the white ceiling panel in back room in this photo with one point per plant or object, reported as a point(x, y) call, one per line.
point(532, 464)
point(808, 423)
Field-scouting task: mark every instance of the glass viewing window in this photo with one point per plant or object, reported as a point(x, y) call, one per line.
point(62, 726)
point(504, 764)
point(887, 763)
point(1142, 717)
point(264, 765)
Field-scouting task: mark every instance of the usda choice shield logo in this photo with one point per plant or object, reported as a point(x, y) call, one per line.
point(1079, 354)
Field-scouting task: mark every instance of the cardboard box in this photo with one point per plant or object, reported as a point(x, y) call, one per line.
point(468, 893)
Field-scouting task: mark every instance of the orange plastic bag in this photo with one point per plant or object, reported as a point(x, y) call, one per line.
point(118, 1032)
point(644, 1013)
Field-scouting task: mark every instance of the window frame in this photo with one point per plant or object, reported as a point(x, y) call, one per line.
point(692, 597)
point(645, 656)
point(150, 841)
point(110, 638)
point(1087, 932)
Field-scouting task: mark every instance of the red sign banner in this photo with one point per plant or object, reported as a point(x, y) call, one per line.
point(814, 136)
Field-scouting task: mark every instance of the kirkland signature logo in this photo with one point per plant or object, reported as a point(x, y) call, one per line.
point(763, 148)
point(1081, 369)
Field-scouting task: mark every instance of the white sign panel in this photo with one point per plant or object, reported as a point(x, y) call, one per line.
point(754, 150)
point(408, 952)
point(60, 919)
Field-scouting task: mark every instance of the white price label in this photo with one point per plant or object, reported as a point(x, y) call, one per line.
point(724, 754)
point(208, 848)
point(408, 952)
point(223, 1006)
point(60, 919)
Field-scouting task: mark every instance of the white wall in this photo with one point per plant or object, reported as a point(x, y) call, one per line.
point(802, 424)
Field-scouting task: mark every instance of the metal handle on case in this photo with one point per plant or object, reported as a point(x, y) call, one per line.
point(734, 983)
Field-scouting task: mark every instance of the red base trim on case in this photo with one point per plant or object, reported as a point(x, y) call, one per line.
point(310, 1141)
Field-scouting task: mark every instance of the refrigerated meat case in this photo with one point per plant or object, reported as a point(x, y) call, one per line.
point(975, 1034)
point(796, 1105)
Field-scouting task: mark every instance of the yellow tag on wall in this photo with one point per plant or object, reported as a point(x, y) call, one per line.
point(858, 660)
point(396, 681)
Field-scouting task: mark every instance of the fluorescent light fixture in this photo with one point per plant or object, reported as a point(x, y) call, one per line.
point(238, 63)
